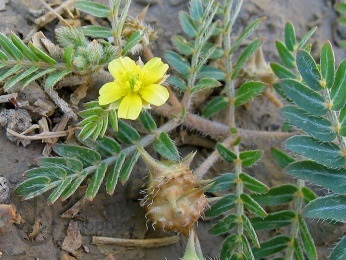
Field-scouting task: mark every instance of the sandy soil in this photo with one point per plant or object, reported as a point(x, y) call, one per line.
point(120, 215)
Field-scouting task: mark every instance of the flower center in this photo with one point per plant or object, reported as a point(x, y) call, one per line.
point(132, 81)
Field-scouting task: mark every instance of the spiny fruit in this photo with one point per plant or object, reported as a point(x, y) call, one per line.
point(175, 198)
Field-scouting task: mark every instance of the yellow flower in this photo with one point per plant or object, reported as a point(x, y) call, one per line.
point(135, 86)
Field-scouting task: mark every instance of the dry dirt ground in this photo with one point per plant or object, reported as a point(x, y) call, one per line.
point(120, 215)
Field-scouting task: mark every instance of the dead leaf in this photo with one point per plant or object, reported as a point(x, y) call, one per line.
point(8, 215)
point(73, 240)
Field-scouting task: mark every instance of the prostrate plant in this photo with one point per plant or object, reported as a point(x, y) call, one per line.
point(209, 68)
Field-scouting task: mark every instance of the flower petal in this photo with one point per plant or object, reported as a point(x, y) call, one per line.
point(120, 66)
point(111, 92)
point(153, 71)
point(154, 94)
point(130, 107)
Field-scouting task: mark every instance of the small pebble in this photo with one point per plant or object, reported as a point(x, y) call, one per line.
point(4, 189)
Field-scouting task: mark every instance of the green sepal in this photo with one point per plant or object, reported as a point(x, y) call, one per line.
point(68, 55)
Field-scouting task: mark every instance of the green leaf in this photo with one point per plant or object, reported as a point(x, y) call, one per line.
point(147, 121)
point(276, 195)
point(127, 169)
point(205, 83)
point(281, 72)
point(340, 7)
point(96, 181)
point(271, 246)
point(318, 127)
point(187, 24)
point(306, 37)
point(93, 8)
point(23, 48)
point(252, 184)
point(10, 72)
point(224, 225)
point(304, 97)
point(15, 79)
point(274, 220)
point(54, 78)
point(74, 185)
point(221, 206)
point(107, 146)
point(248, 158)
point(68, 55)
point(177, 82)
point(166, 147)
point(212, 50)
point(96, 31)
point(196, 9)
point(342, 20)
point(132, 41)
point(333, 179)
point(226, 153)
point(127, 133)
point(327, 62)
point(338, 90)
point(290, 36)
point(308, 70)
point(3, 56)
point(281, 158)
point(59, 190)
point(10, 48)
point(41, 54)
point(223, 182)
point(308, 194)
point(247, 91)
point(328, 207)
point(182, 45)
point(298, 254)
point(247, 248)
point(325, 153)
point(87, 130)
point(93, 111)
point(113, 119)
point(35, 76)
point(87, 156)
point(114, 174)
point(54, 173)
point(211, 72)
point(250, 230)
point(177, 62)
point(246, 33)
point(228, 246)
point(252, 205)
point(339, 251)
point(306, 239)
point(245, 56)
point(70, 165)
point(35, 186)
point(285, 55)
point(215, 105)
